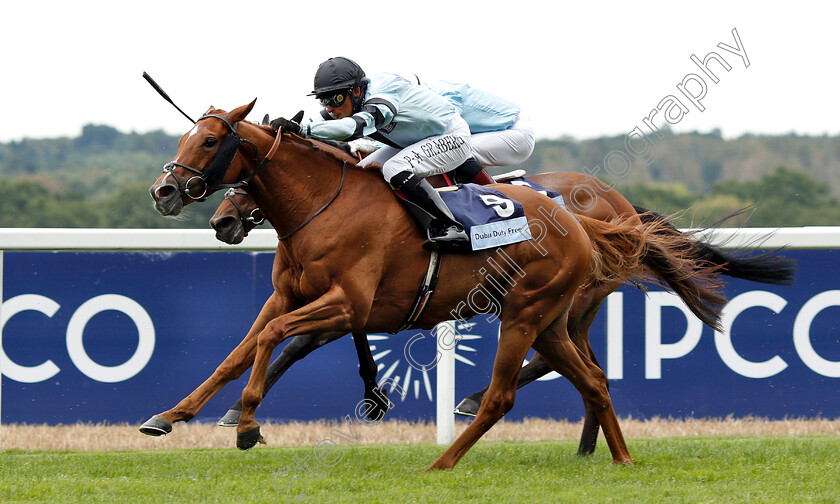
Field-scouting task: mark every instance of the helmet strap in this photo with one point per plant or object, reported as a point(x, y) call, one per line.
point(357, 102)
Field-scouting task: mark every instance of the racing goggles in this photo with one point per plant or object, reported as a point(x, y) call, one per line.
point(335, 100)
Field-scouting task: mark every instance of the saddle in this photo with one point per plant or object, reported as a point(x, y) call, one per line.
point(490, 217)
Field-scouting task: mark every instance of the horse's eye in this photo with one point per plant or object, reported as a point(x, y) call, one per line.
point(210, 142)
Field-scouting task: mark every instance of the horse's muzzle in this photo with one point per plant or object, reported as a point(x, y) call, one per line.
point(167, 199)
point(228, 229)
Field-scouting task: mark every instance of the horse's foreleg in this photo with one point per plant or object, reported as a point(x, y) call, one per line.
point(367, 366)
point(234, 365)
point(514, 343)
point(331, 312)
point(300, 346)
point(376, 398)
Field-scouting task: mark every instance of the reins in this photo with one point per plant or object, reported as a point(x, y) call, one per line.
point(307, 221)
point(265, 161)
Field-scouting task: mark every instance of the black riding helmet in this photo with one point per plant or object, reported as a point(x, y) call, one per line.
point(338, 74)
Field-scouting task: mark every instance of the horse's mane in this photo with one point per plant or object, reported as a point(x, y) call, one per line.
point(336, 153)
point(332, 151)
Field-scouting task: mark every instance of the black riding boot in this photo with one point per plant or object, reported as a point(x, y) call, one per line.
point(422, 194)
point(471, 171)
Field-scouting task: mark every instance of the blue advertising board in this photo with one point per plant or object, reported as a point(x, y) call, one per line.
point(119, 336)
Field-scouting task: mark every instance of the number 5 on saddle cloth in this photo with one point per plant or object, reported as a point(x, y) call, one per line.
point(490, 218)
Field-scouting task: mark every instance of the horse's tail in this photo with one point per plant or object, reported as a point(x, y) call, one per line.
point(767, 267)
point(617, 249)
point(624, 249)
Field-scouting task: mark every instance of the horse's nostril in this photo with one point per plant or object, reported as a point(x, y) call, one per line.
point(223, 223)
point(163, 192)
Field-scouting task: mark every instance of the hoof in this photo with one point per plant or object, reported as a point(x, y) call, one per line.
point(467, 408)
point(156, 426)
point(231, 418)
point(380, 404)
point(247, 440)
point(437, 466)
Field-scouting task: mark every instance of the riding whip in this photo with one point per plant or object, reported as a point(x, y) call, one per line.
point(164, 95)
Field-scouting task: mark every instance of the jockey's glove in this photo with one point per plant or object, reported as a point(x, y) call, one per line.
point(363, 146)
point(286, 125)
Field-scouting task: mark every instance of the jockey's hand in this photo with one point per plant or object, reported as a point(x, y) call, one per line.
point(363, 146)
point(286, 125)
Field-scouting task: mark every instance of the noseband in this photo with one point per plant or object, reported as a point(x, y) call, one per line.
point(212, 176)
point(255, 217)
point(209, 180)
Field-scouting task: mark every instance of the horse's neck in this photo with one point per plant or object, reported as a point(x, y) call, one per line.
point(299, 181)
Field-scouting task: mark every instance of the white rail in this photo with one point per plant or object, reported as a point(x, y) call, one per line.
point(266, 239)
point(128, 239)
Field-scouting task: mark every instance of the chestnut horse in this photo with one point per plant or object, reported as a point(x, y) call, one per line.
point(234, 219)
point(342, 266)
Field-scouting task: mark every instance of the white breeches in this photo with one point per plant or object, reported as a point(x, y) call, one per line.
point(507, 147)
point(431, 156)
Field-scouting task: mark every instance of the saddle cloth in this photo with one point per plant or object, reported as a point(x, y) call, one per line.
point(490, 217)
point(525, 181)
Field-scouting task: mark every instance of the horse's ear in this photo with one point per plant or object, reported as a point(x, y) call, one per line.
point(209, 110)
point(266, 120)
point(240, 113)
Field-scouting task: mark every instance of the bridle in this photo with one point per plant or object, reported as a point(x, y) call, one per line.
point(211, 177)
point(209, 180)
point(255, 217)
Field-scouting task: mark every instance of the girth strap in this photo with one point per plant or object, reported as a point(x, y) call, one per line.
point(427, 288)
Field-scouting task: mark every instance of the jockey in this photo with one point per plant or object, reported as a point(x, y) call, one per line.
point(501, 136)
point(423, 133)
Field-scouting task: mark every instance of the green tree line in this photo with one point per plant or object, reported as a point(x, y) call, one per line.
point(101, 178)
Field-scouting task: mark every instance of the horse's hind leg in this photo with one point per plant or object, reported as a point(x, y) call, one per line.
point(300, 346)
point(591, 426)
point(585, 308)
point(557, 348)
point(581, 316)
point(514, 343)
point(536, 368)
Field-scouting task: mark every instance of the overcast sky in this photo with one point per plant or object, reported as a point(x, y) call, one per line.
point(582, 69)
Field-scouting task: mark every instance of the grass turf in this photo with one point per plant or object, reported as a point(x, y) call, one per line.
point(745, 469)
